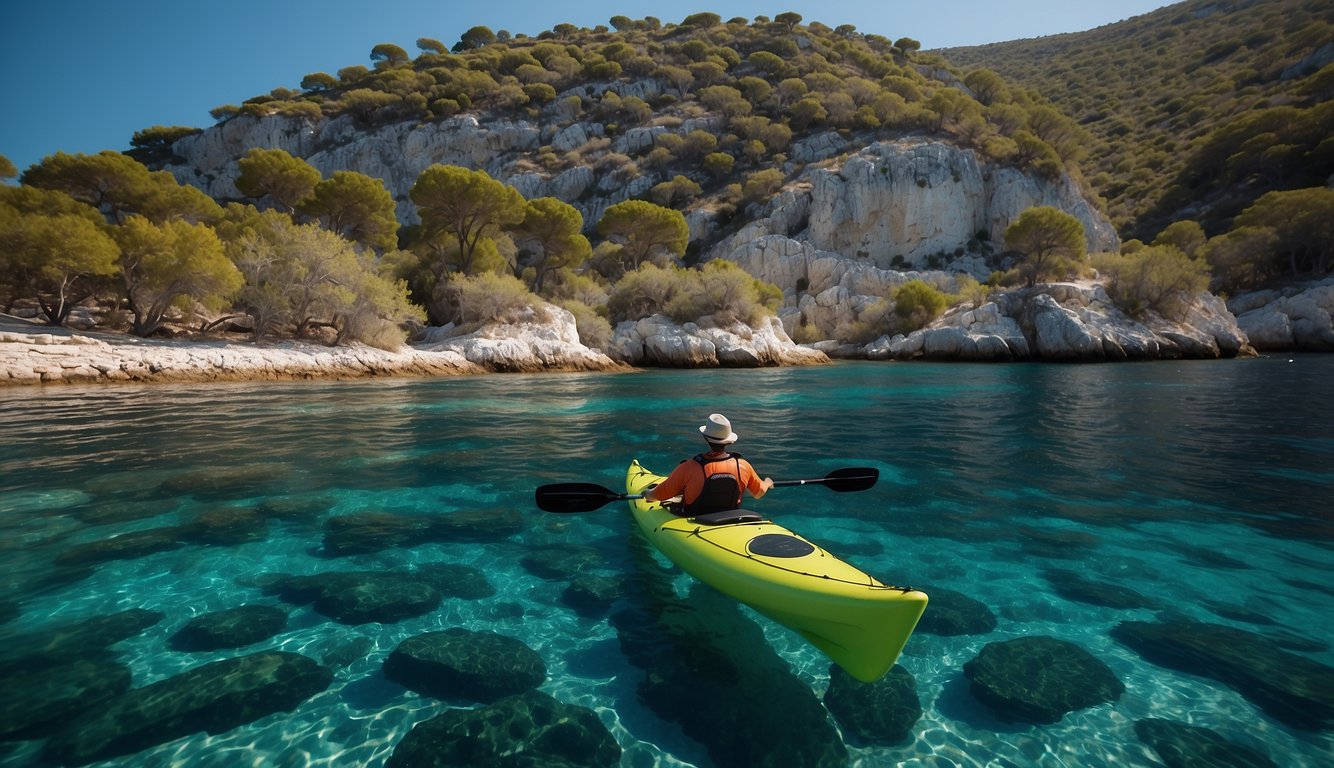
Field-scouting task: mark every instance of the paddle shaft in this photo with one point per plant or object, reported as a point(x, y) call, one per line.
point(586, 497)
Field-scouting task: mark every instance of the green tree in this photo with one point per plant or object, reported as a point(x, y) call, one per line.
point(1303, 221)
point(172, 265)
point(554, 230)
point(120, 186)
point(468, 207)
point(1048, 241)
point(275, 173)
point(474, 38)
point(356, 206)
point(644, 230)
point(387, 55)
point(1186, 236)
point(1242, 258)
point(431, 45)
point(298, 276)
point(789, 19)
point(318, 81)
point(7, 169)
point(158, 139)
point(52, 249)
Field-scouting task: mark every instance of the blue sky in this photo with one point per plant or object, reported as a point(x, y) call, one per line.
point(83, 76)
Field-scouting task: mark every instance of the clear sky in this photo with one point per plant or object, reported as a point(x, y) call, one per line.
point(84, 75)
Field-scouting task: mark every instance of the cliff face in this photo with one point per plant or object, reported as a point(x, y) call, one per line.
point(910, 198)
point(852, 225)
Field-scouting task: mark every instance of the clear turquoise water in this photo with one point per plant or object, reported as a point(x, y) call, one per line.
point(1163, 470)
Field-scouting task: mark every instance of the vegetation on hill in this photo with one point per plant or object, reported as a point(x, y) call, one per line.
point(1193, 111)
point(306, 255)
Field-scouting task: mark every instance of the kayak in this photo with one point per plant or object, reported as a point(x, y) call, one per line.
point(860, 623)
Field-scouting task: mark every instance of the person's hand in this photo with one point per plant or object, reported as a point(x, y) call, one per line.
point(768, 484)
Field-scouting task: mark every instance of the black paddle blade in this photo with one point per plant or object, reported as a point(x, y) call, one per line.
point(851, 479)
point(563, 498)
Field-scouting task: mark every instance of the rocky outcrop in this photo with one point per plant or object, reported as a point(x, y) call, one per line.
point(1067, 323)
point(659, 341)
point(1296, 318)
point(33, 354)
point(546, 339)
point(901, 203)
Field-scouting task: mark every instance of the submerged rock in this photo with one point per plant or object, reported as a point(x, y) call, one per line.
point(953, 613)
point(87, 638)
point(1073, 586)
point(232, 628)
point(224, 527)
point(461, 664)
point(883, 712)
point(357, 597)
point(364, 532)
point(126, 546)
point(557, 563)
point(1039, 679)
point(35, 702)
point(1186, 746)
point(214, 698)
point(1292, 689)
point(455, 580)
point(528, 730)
point(592, 595)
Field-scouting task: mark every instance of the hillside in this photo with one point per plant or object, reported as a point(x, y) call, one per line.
point(1193, 110)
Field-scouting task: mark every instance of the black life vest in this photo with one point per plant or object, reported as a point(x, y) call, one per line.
point(721, 492)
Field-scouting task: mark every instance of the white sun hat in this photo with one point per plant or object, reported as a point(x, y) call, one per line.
point(718, 430)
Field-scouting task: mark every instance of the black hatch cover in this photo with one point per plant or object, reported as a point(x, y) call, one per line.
point(779, 545)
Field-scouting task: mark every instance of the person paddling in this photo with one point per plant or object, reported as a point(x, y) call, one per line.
point(712, 481)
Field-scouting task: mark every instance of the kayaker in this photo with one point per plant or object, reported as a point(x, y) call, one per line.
point(712, 481)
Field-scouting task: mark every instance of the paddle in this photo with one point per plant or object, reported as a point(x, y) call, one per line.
point(564, 498)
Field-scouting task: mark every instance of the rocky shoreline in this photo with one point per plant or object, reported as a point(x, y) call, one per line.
point(1056, 323)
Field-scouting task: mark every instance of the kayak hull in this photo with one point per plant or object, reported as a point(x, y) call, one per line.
point(859, 622)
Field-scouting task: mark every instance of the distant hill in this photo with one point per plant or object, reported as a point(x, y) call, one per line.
point(1194, 110)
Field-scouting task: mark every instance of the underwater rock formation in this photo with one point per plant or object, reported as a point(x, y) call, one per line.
point(1039, 679)
point(883, 712)
point(954, 613)
point(462, 664)
point(232, 628)
point(214, 698)
point(1291, 689)
point(1186, 746)
point(528, 729)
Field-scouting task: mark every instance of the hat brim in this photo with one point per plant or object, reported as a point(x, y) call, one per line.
point(731, 437)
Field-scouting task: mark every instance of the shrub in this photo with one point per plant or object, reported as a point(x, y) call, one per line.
point(490, 297)
point(641, 292)
point(970, 291)
point(916, 304)
point(1159, 278)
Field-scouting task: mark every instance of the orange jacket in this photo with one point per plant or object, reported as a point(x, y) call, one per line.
point(687, 480)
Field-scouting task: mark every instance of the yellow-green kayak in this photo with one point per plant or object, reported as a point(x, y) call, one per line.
point(859, 622)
